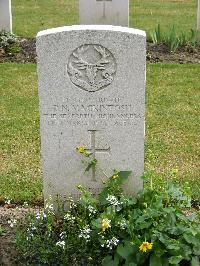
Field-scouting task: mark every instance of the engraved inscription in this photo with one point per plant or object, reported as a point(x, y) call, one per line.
point(91, 67)
point(86, 112)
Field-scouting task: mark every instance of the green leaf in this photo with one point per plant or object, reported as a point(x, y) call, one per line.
point(175, 260)
point(191, 239)
point(96, 223)
point(124, 175)
point(143, 225)
point(91, 164)
point(125, 250)
point(103, 195)
point(195, 261)
point(165, 261)
point(173, 246)
point(154, 260)
point(130, 264)
point(108, 261)
point(196, 250)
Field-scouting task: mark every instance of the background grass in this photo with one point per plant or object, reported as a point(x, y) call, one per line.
point(31, 16)
point(20, 177)
point(172, 124)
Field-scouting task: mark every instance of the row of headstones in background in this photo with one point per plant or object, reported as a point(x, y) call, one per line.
point(110, 12)
point(113, 12)
point(104, 12)
point(91, 93)
point(5, 15)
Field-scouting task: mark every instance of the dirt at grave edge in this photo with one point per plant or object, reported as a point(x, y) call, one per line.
point(155, 53)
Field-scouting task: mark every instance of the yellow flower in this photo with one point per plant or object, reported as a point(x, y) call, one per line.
point(146, 246)
point(81, 149)
point(115, 177)
point(79, 187)
point(175, 171)
point(105, 224)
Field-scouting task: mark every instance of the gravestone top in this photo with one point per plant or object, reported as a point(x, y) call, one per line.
point(90, 28)
point(91, 93)
point(109, 12)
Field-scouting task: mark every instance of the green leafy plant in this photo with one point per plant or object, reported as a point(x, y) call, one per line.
point(9, 42)
point(174, 39)
point(154, 228)
point(156, 36)
point(194, 37)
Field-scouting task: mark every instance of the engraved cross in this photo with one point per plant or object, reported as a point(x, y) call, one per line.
point(104, 5)
point(94, 150)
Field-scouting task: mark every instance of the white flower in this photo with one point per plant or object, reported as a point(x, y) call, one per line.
point(113, 200)
point(25, 205)
point(124, 200)
point(12, 222)
point(123, 224)
point(91, 210)
point(61, 244)
point(30, 234)
point(110, 243)
point(68, 217)
point(8, 201)
point(62, 235)
point(72, 205)
point(85, 233)
point(37, 216)
point(115, 241)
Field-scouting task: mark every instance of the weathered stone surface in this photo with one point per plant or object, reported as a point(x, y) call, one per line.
point(92, 93)
point(5, 15)
point(110, 12)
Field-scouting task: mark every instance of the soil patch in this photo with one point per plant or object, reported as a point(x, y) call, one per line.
point(184, 55)
point(155, 53)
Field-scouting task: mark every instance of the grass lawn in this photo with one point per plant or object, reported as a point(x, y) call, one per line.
point(172, 122)
point(31, 16)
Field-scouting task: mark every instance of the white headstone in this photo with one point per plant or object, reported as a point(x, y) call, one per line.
point(92, 93)
point(198, 16)
point(5, 15)
point(104, 12)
